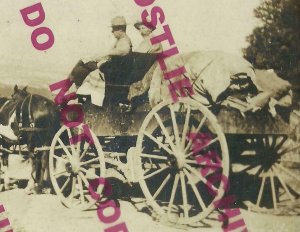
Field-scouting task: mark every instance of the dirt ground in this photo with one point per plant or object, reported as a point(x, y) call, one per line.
point(36, 213)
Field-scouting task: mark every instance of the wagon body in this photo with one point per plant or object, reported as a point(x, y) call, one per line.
point(114, 123)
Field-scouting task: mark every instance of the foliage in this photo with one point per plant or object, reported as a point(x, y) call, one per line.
point(276, 43)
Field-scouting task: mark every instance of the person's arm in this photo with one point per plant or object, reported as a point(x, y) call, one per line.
point(122, 48)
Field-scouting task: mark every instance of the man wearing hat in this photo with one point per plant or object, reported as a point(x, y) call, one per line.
point(123, 45)
point(146, 45)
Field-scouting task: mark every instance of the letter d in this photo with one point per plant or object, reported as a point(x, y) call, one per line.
point(31, 9)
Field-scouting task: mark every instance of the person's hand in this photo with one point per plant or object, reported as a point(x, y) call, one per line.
point(103, 60)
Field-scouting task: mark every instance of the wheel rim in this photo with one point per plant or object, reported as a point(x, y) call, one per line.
point(277, 170)
point(171, 178)
point(72, 167)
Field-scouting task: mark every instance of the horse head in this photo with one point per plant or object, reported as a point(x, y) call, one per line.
point(19, 94)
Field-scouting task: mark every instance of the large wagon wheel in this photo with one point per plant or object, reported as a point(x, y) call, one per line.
point(74, 166)
point(275, 165)
point(182, 184)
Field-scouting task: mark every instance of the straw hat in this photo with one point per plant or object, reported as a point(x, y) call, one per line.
point(118, 21)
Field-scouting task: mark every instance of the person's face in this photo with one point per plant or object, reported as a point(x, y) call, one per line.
point(117, 33)
point(145, 31)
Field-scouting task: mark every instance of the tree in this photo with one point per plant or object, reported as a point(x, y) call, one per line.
point(276, 43)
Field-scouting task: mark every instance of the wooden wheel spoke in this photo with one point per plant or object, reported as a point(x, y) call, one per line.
point(84, 179)
point(87, 172)
point(185, 127)
point(184, 195)
point(158, 142)
point(84, 152)
point(163, 184)
point(90, 161)
point(155, 172)
point(196, 192)
point(204, 146)
point(72, 195)
point(72, 145)
point(143, 155)
point(273, 191)
point(249, 168)
point(80, 189)
point(175, 126)
point(261, 190)
point(288, 150)
point(60, 173)
point(60, 158)
point(283, 184)
point(211, 165)
point(65, 184)
point(201, 178)
point(165, 131)
point(288, 172)
point(274, 141)
point(267, 142)
point(173, 193)
point(64, 148)
point(279, 145)
point(187, 148)
point(78, 144)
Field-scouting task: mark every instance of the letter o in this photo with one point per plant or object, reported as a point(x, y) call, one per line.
point(108, 219)
point(72, 108)
point(40, 31)
point(144, 2)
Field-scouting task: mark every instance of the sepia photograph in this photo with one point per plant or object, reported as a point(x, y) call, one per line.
point(150, 115)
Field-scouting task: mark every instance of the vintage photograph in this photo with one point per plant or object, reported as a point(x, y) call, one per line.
point(150, 115)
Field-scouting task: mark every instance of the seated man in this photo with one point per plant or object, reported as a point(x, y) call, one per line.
point(122, 47)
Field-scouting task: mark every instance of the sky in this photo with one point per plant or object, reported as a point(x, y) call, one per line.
point(82, 29)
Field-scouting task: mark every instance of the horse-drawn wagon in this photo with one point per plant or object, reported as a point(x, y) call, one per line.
point(178, 153)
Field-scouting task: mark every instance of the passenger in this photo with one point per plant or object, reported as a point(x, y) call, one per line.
point(146, 45)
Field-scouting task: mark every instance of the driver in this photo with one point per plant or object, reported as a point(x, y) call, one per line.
point(123, 45)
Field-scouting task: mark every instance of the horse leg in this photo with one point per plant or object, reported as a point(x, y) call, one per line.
point(6, 178)
point(30, 188)
point(43, 167)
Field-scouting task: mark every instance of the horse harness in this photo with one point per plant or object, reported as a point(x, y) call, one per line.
point(32, 127)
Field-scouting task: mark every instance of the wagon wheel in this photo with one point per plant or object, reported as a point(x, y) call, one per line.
point(176, 172)
point(276, 163)
point(73, 166)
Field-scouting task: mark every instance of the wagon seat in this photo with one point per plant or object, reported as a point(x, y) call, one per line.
point(121, 72)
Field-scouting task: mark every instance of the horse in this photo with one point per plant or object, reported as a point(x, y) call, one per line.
point(7, 107)
point(36, 122)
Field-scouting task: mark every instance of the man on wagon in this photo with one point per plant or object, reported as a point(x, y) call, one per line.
point(123, 45)
point(91, 85)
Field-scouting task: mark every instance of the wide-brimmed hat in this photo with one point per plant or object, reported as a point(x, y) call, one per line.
point(118, 21)
point(139, 23)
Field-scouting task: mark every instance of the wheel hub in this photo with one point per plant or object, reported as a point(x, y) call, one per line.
point(73, 166)
point(269, 158)
point(180, 158)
